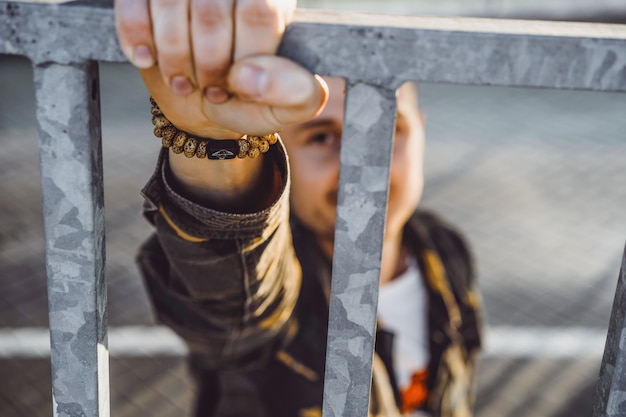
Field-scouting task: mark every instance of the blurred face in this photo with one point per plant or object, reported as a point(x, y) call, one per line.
point(314, 147)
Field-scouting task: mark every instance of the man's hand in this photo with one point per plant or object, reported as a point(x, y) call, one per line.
point(211, 64)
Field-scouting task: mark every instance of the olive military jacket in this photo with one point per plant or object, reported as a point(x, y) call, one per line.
point(249, 295)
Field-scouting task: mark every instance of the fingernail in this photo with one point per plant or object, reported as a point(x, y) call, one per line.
point(142, 58)
point(216, 95)
point(181, 85)
point(253, 81)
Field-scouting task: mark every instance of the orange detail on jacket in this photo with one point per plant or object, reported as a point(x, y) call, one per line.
point(416, 393)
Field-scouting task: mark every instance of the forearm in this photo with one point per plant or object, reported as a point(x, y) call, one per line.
point(233, 185)
point(233, 307)
point(227, 283)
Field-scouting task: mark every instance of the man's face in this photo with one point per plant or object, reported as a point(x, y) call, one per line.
point(313, 149)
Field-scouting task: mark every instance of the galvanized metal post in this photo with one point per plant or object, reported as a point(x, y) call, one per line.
point(611, 389)
point(362, 204)
point(68, 112)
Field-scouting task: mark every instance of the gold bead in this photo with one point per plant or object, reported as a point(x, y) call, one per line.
point(201, 149)
point(190, 147)
point(272, 138)
point(253, 141)
point(264, 146)
point(160, 121)
point(254, 152)
point(250, 146)
point(244, 146)
point(169, 132)
point(166, 142)
point(179, 140)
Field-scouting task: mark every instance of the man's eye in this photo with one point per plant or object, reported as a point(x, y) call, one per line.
point(324, 138)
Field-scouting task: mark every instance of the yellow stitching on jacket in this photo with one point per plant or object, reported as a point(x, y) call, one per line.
point(436, 275)
point(310, 412)
point(296, 366)
point(382, 400)
point(282, 314)
point(473, 299)
point(179, 232)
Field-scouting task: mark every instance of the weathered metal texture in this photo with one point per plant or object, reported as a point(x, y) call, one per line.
point(379, 50)
point(390, 50)
point(362, 201)
point(611, 389)
point(68, 112)
point(59, 33)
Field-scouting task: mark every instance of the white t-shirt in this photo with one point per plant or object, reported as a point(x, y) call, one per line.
point(403, 310)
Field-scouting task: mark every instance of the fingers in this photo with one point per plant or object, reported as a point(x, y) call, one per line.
point(219, 49)
point(308, 107)
point(158, 30)
point(196, 41)
point(259, 27)
point(270, 92)
point(224, 31)
point(212, 35)
point(171, 35)
point(275, 81)
point(134, 30)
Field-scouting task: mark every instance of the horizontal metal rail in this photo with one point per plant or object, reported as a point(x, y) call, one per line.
point(375, 54)
point(373, 49)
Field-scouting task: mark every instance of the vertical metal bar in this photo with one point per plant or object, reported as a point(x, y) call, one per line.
point(362, 203)
point(68, 112)
point(611, 388)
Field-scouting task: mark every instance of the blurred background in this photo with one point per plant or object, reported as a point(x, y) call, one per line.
point(533, 177)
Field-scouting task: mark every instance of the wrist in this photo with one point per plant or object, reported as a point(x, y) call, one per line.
point(224, 174)
point(218, 183)
point(192, 145)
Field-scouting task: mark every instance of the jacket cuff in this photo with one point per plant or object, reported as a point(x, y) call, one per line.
point(196, 223)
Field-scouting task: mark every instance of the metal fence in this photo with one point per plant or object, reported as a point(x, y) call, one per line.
point(375, 54)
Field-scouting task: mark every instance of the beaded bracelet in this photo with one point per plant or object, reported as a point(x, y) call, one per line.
point(182, 142)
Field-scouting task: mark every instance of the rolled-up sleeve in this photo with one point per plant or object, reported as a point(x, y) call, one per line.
point(226, 283)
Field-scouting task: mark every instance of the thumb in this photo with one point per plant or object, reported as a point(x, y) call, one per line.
point(289, 91)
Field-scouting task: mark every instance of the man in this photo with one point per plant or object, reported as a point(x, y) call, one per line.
point(240, 263)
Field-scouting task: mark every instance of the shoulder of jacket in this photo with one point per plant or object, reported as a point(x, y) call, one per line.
point(457, 260)
point(435, 233)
